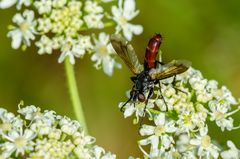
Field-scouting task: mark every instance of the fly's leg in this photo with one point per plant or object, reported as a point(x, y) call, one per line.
point(132, 96)
point(145, 107)
point(160, 63)
point(121, 109)
point(174, 85)
point(160, 90)
point(133, 78)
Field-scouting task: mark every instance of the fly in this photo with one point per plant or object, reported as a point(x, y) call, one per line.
point(148, 74)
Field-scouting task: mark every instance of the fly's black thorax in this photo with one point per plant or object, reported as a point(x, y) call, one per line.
point(143, 81)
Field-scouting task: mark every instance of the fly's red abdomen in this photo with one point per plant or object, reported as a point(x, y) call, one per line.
point(152, 51)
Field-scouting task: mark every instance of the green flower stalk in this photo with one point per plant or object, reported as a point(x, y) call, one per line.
point(76, 102)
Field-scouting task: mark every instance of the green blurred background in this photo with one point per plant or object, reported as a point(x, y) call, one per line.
point(204, 32)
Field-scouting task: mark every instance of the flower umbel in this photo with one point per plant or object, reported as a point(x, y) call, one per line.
point(66, 26)
point(45, 134)
point(182, 131)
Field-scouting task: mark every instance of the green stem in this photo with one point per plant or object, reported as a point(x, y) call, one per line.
point(75, 99)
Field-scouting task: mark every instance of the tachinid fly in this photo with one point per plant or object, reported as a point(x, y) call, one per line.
point(149, 74)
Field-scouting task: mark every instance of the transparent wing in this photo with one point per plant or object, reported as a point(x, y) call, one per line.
point(170, 69)
point(126, 52)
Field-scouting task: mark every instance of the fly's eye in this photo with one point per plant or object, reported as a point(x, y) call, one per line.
point(141, 97)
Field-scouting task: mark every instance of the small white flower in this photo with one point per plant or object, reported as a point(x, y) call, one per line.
point(44, 25)
point(58, 3)
point(81, 139)
point(83, 152)
point(94, 20)
point(69, 126)
point(137, 108)
point(159, 135)
point(124, 13)
point(227, 95)
point(103, 52)
point(18, 141)
point(76, 23)
point(232, 153)
point(44, 45)
point(43, 6)
point(75, 7)
point(219, 113)
point(185, 122)
point(99, 153)
point(30, 112)
point(25, 30)
point(92, 7)
point(8, 3)
point(9, 122)
point(75, 48)
point(182, 143)
point(57, 42)
point(58, 27)
point(204, 144)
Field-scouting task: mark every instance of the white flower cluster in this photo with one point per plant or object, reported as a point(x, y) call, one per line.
point(34, 134)
point(182, 131)
point(67, 26)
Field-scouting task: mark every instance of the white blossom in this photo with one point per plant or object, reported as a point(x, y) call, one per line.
point(92, 7)
point(43, 6)
point(8, 3)
point(25, 30)
point(94, 20)
point(44, 25)
point(159, 135)
point(58, 3)
point(205, 147)
point(103, 53)
point(75, 48)
point(44, 45)
point(232, 153)
point(122, 15)
point(18, 142)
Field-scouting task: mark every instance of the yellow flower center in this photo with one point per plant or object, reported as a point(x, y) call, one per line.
point(103, 50)
point(24, 26)
point(188, 120)
point(159, 130)
point(122, 20)
point(20, 141)
point(219, 115)
point(206, 141)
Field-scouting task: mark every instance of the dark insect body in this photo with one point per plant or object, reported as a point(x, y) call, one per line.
point(148, 75)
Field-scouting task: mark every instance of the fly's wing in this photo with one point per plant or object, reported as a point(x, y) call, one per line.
point(126, 52)
point(170, 69)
